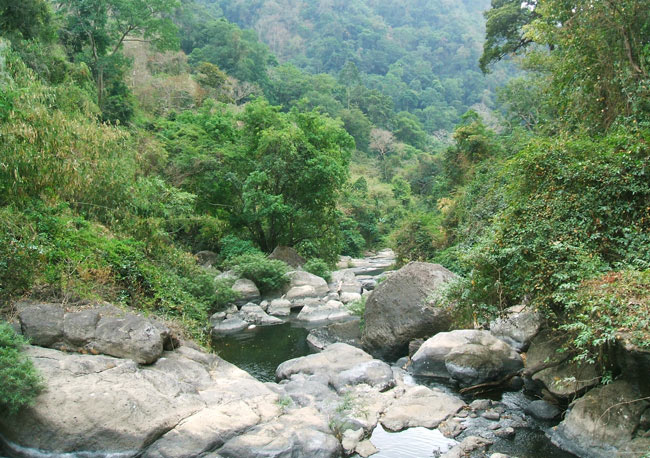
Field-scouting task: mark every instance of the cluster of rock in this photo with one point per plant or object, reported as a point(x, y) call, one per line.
point(310, 296)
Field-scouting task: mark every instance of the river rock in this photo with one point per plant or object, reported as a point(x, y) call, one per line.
point(344, 281)
point(247, 291)
point(42, 324)
point(228, 326)
point(375, 373)
point(566, 378)
point(288, 255)
point(299, 279)
point(334, 359)
point(542, 410)
point(467, 356)
point(300, 433)
point(603, 422)
point(400, 309)
point(468, 445)
point(130, 336)
point(633, 361)
point(79, 327)
point(347, 332)
point(184, 404)
point(253, 314)
point(420, 406)
point(518, 328)
point(301, 292)
point(279, 307)
point(331, 311)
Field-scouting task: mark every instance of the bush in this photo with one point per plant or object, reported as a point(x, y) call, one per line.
point(267, 274)
point(19, 381)
point(318, 267)
point(418, 239)
point(232, 247)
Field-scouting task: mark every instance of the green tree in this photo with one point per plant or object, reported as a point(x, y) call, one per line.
point(504, 29)
point(27, 19)
point(95, 31)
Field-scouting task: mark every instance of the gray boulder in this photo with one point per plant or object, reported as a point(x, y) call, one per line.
point(279, 307)
point(300, 433)
point(400, 309)
point(228, 326)
point(467, 356)
point(344, 281)
point(247, 291)
point(375, 373)
point(331, 311)
point(42, 324)
point(542, 410)
point(518, 328)
point(555, 371)
point(185, 404)
point(288, 255)
point(253, 314)
point(336, 358)
point(420, 406)
point(129, 337)
point(299, 279)
point(347, 332)
point(603, 423)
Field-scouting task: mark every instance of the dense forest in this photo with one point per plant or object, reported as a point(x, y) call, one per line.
point(510, 147)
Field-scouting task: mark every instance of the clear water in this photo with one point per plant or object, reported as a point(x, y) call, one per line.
point(259, 351)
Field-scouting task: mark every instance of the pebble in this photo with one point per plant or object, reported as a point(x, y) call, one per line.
point(505, 432)
point(491, 415)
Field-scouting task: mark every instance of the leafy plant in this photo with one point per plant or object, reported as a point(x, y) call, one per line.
point(19, 381)
point(267, 274)
point(318, 267)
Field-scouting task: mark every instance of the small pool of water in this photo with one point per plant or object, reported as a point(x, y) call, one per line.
point(259, 351)
point(410, 443)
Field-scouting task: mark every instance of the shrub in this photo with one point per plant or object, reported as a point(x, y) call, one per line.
point(19, 381)
point(318, 267)
point(267, 274)
point(232, 247)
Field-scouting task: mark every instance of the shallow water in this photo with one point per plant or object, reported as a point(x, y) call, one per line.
point(259, 351)
point(410, 443)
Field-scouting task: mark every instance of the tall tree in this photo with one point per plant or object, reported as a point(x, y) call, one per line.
point(98, 29)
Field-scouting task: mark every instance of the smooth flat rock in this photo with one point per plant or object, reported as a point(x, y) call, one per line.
point(279, 307)
point(228, 326)
point(420, 406)
point(375, 373)
point(348, 332)
point(331, 311)
point(334, 359)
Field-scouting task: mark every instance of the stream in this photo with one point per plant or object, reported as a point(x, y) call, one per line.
point(261, 349)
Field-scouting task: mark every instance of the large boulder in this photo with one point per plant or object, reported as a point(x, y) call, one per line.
point(420, 406)
point(299, 280)
point(323, 313)
point(518, 327)
point(400, 309)
point(605, 423)
point(301, 433)
point(336, 358)
point(42, 324)
point(96, 405)
point(348, 332)
point(247, 291)
point(128, 337)
point(107, 330)
point(288, 255)
point(467, 356)
point(253, 314)
point(555, 371)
